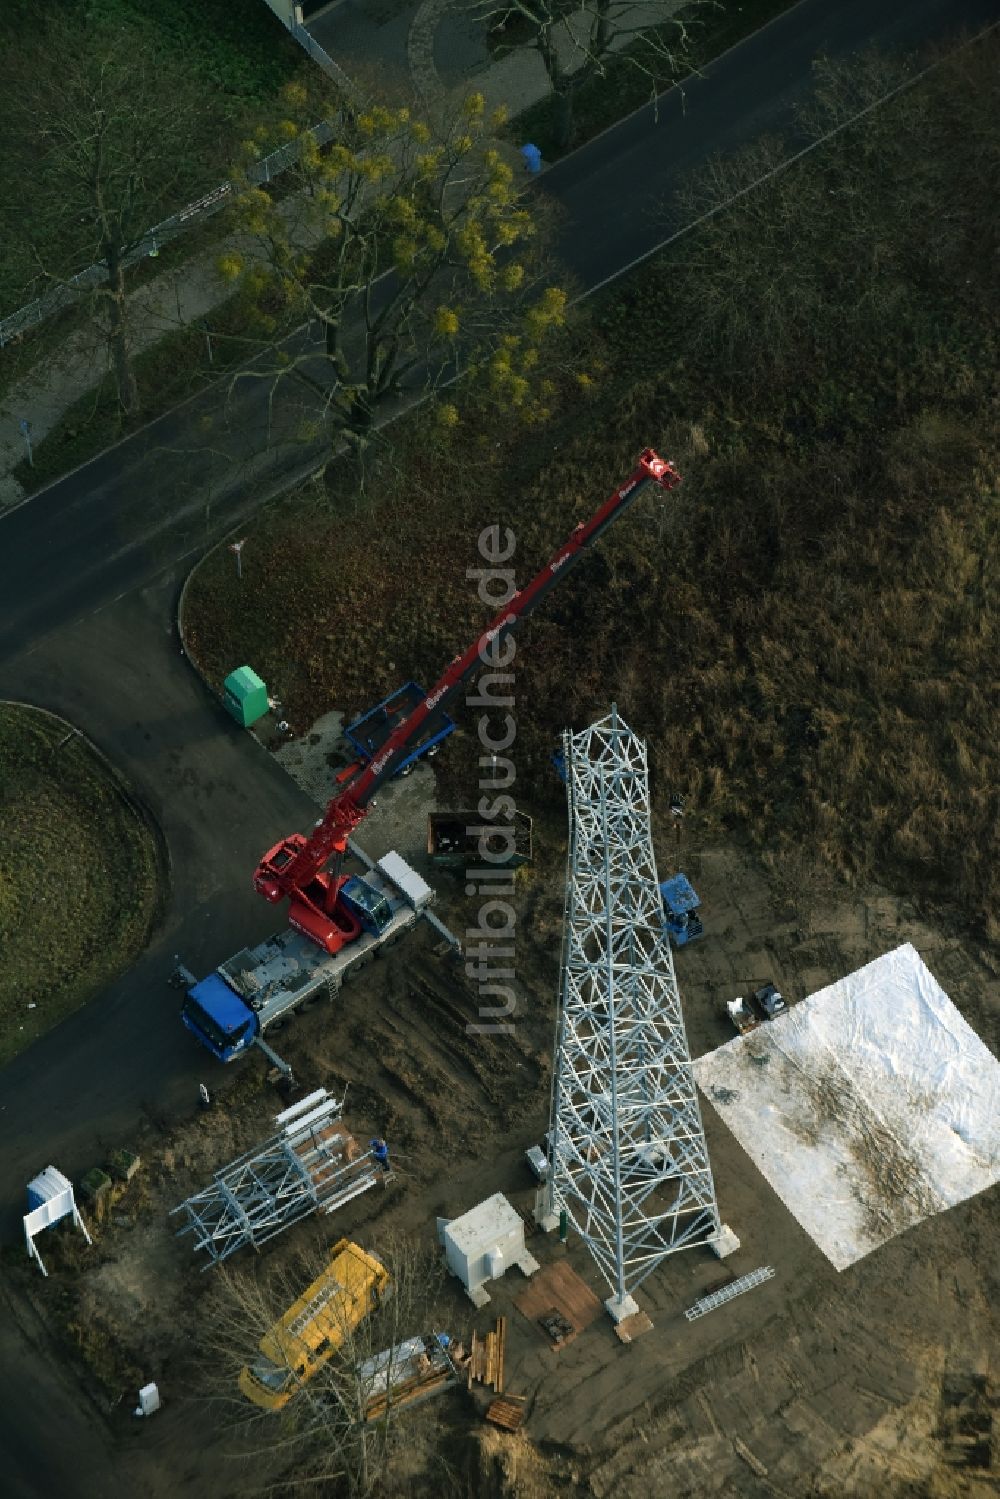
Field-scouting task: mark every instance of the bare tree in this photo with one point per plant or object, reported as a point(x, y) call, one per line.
point(575, 40)
point(328, 1432)
point(802, 254)
point(100, 140)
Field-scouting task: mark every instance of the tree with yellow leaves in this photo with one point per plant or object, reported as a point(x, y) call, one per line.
point(409, 250)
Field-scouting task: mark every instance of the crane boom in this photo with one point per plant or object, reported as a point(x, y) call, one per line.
point(294, 867)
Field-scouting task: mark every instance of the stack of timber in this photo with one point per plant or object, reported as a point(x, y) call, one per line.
point(407, 1393)
point(486, 1357)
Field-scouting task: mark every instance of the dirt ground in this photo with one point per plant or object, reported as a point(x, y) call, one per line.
point(881, 1380)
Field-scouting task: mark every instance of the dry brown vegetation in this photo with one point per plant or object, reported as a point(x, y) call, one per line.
point(807, 632)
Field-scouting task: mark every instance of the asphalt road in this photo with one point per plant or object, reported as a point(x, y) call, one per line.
point(89, 576)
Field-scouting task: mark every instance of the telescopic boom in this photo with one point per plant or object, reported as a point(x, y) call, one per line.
point(294, 867)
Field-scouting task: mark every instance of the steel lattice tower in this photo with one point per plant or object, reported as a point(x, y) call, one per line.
point(628, 1159)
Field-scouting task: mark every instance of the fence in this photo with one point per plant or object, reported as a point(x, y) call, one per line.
point(271, 166)
point(323, 60)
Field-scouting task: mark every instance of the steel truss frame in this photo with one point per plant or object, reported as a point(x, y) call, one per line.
point(628, 1158)
point(302, 1169)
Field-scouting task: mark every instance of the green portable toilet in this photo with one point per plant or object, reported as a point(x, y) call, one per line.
point(245, 696)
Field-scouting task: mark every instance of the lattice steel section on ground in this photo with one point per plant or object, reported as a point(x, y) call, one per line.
point(735, 1288)
point(311, 1165)
point(628, 1156)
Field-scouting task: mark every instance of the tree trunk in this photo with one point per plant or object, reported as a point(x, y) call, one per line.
point(128, 394)
point(601, 30)
point(562, 122)
point(361, 417)
point(562, 104)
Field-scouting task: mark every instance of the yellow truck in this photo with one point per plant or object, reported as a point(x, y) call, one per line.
point(314, 1327)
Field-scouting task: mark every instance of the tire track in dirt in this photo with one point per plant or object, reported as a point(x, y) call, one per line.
point(435, 1075)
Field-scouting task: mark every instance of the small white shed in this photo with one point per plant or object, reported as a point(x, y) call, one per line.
point(481, 1245)
point(50, 1198)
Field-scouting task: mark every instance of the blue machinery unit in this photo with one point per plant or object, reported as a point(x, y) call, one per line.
point(680, 910)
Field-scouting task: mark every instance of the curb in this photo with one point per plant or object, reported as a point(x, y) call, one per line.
point(434, 9)
point(272, 493)
point(654, 104)
point(119, 442)
point(130, 799)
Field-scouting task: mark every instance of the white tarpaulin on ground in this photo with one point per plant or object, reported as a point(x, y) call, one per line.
point(868, 1107)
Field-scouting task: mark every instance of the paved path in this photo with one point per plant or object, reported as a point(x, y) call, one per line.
point(519, 79)
point(175, 300)
point(188, 294)
point(89, 574)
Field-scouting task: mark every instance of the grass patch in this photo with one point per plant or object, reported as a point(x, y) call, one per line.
point(605, 99)
point(807, 631)
point(241, 51)
point(80, 876)
point(240, 57)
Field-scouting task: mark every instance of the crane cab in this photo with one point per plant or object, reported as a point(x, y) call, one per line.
point(366, 904)
point(266, 879)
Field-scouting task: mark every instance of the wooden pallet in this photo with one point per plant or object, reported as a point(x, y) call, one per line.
point(507, 1412)
point(559, 1289)
point(486, 1357)
point(630, 1328)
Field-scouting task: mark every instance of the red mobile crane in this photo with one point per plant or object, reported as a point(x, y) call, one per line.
point(295, 866)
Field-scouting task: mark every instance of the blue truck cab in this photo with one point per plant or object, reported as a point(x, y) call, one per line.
point(680, 907)
point(260, 987)
point(367, 734)
point(219, 1018)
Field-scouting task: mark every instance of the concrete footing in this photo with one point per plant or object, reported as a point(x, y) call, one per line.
point(726, 1244)
point(621, 1307)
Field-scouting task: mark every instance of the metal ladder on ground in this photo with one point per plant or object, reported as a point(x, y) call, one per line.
point(736, 1288)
